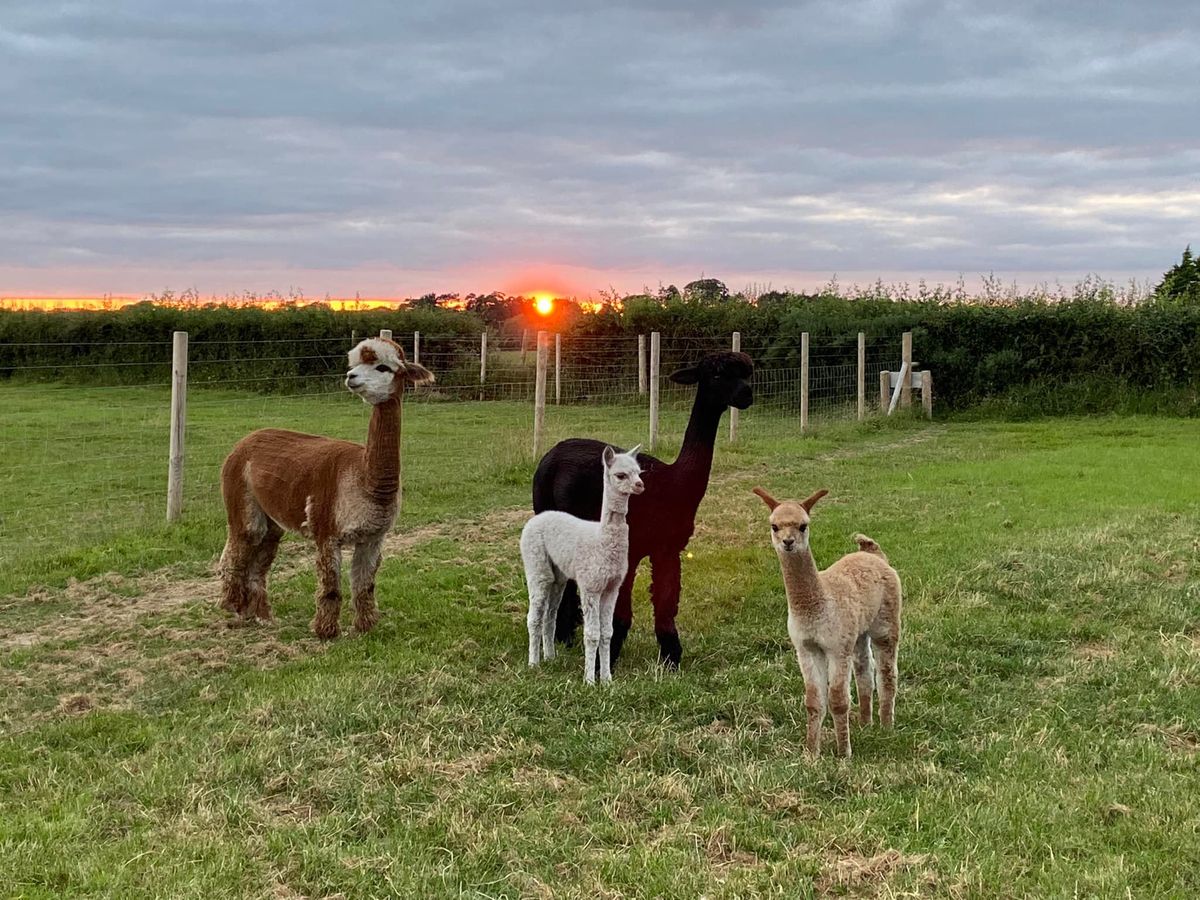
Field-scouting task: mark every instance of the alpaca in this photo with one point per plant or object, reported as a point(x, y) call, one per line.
point(334, 492)
point(556, 546)
point(834, 619)
point(661, 520)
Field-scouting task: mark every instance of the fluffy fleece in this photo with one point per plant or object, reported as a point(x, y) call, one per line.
point(834, 619)
point(662, 520)
point(556, 546)
point(335, 492)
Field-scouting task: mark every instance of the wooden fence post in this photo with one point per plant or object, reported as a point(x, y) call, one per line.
point(905, 379)
point(416, 346)
point(524, 341)
point(733, 410)
point(927, 393)
point(179, 360)
point(885, 390)
point(641, 364)
point(803, 382)
point(539, 393)
point(482, 362)
point(862, 376)
point(906, 360)
point(557, 369)
point(655, 356)
point(385, 334)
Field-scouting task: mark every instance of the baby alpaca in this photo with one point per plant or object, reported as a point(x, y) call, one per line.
point(834, 619)
point(556, 546)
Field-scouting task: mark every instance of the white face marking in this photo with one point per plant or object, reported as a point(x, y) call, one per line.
point(374, 379)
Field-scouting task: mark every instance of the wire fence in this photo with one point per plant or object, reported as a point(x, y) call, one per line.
point(84, 440)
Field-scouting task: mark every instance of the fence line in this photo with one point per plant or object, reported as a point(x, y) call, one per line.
point(205, 395)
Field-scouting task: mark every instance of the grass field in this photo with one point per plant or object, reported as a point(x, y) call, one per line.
point(1048, 715)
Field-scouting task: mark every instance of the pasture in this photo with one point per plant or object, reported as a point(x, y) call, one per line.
point(1048, 719)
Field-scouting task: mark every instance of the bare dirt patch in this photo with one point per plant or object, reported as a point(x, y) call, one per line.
point(866, 875)
point(1174, 736)
point(113, 602)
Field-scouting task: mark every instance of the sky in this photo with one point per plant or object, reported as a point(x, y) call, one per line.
point(395, 148)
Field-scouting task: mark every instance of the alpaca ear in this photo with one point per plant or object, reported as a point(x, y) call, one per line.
point(415, 373)
point(608, 455)
point(811, 501)
point(767, 498)
point(690, 375)
point(634, 452)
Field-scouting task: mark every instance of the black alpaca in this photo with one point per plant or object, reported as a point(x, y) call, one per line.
point(662, 519)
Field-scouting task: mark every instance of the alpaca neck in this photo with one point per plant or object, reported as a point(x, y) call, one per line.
point(805, 593)
point(383, 451)
point(613, 509)
point(696, 455)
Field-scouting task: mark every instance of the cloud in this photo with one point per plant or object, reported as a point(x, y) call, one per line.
point(411, 143)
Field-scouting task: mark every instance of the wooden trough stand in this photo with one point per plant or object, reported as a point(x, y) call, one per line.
point(891, 389)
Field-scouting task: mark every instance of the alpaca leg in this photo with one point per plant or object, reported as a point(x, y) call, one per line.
point(329, 589)
point(363, 567)
point(623, 614)
point(591, 632)
point(256, 574)
point(235, 559)
point(608, 603)
point(887, 673)
point(536, 620)
point(839, 697)
point(569, 617)
point(554, 599)
point(664, 595)
point(864, 679)
point(816, 690)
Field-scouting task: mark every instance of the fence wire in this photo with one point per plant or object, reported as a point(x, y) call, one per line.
point(85, 428)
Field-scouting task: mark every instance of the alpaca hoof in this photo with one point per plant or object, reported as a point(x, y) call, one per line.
point(364, 622)
point(670, 651)
point(325, 629)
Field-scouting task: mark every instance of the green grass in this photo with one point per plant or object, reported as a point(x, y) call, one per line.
point(1048, 716)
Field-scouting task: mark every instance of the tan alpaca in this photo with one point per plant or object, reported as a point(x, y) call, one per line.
point(336, 492)
point(834, 619)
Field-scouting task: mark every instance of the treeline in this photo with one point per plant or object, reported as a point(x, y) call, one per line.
point(1086, 354)
point(264, 349)
point(1027, 357)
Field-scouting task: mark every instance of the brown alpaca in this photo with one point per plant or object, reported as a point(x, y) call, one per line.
point(335, 492)
point(834, 618)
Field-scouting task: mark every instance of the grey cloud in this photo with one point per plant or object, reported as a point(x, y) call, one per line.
point(779, 137)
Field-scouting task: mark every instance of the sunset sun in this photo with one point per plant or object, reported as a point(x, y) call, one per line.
point(544, 305)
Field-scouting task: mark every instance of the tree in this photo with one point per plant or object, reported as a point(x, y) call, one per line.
point(669, 294)
point(1181, 282)
point(706, 291)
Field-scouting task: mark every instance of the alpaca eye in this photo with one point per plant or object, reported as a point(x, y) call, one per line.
point(382, 369)
point(774, 527)
point(620, 476)
point(803, 527)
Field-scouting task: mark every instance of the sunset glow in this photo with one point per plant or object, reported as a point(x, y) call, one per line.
point(113, 303)
point(544, 305)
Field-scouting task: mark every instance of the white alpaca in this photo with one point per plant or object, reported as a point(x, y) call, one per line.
point(557, 547)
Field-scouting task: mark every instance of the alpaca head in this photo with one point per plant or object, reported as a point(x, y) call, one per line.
point(723, 379)
point(789, 521)
point(622, 474)
point(379, 371)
